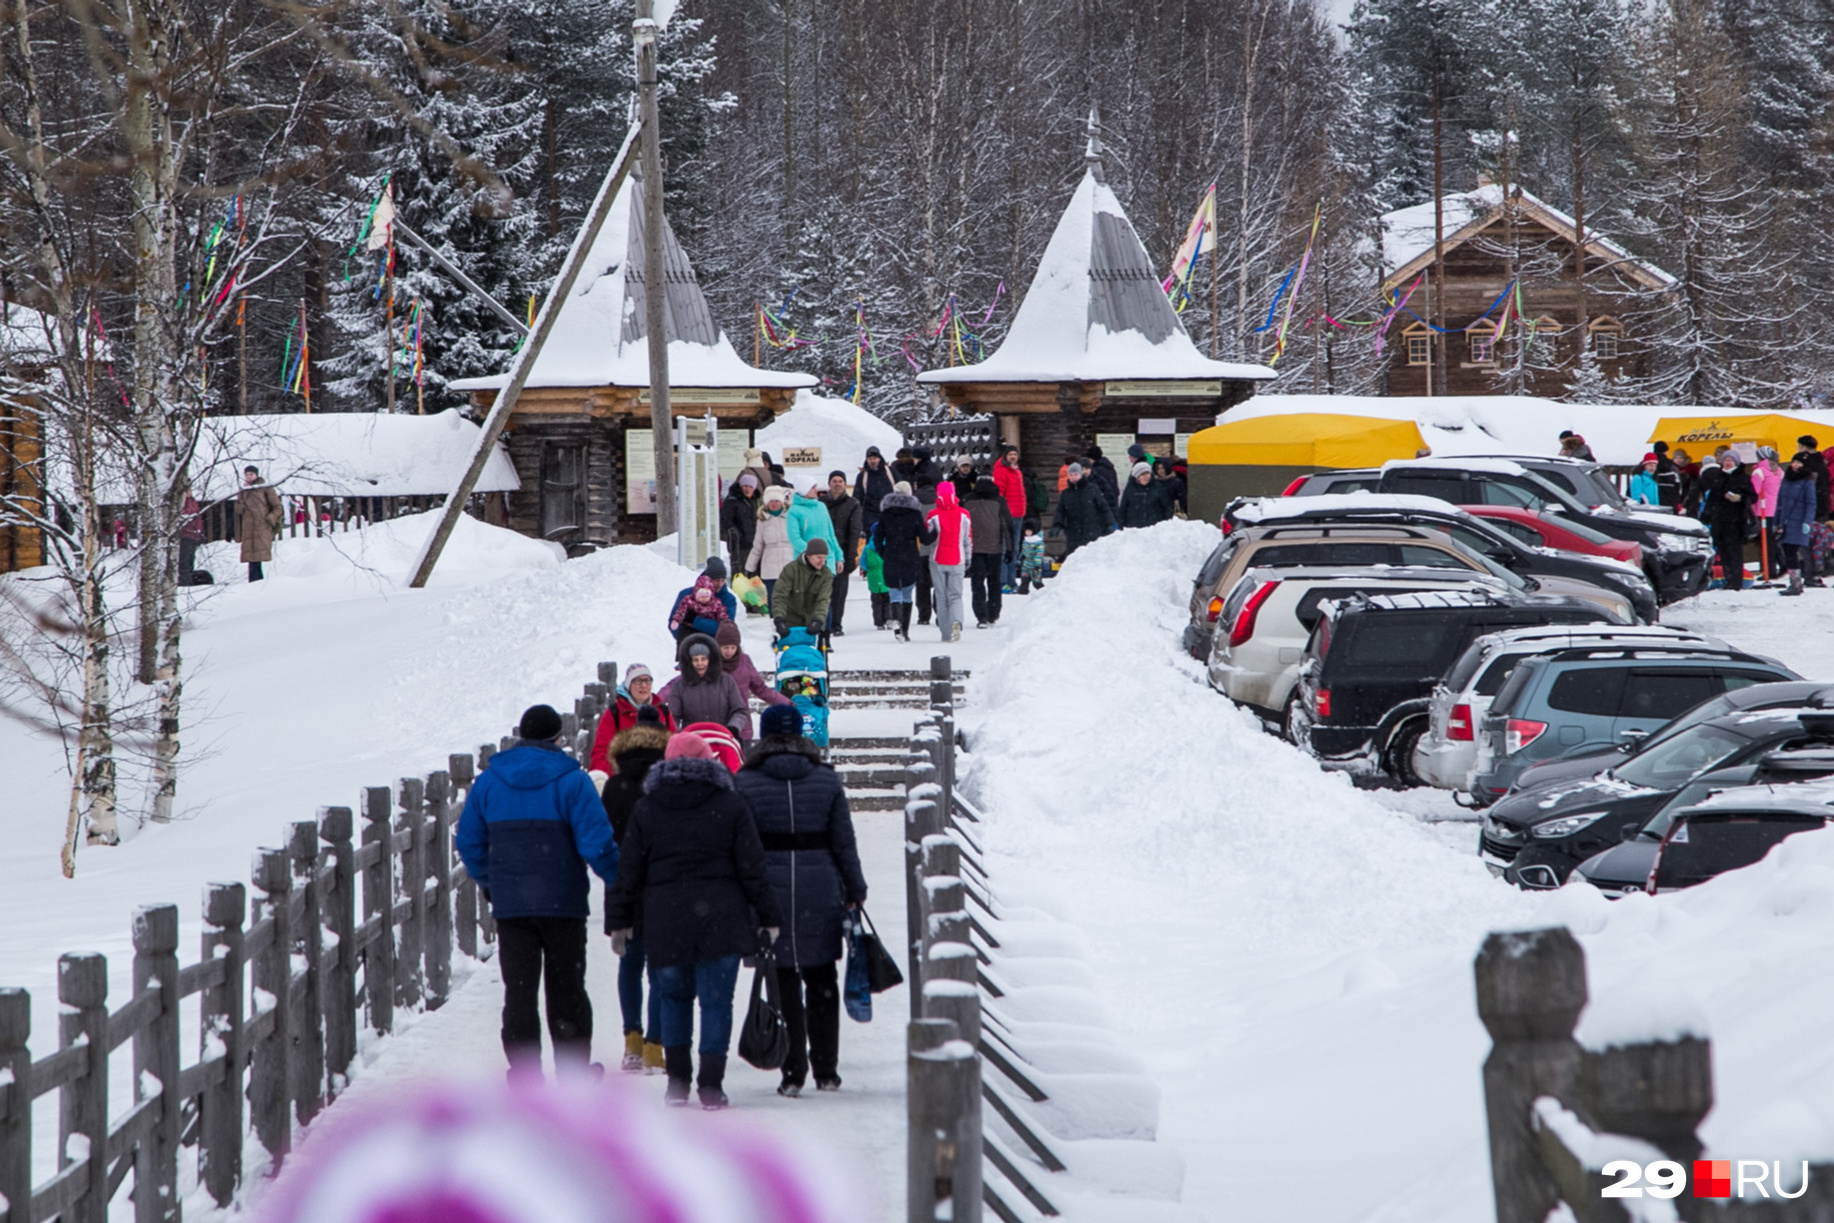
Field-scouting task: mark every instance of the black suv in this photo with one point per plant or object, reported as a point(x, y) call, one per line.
point(1535, 838)
point(1368, 671)
point(1468, 530)
point(1677, 552)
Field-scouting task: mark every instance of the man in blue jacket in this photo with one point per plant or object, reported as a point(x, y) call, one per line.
point(532, 824)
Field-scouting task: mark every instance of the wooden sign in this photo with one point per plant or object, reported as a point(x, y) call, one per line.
point(1161, 389)
point(800, 456)
point(704, 395)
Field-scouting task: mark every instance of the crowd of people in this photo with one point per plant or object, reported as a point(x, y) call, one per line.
point(1786, 504)
point(712, 846)
point(933, 544)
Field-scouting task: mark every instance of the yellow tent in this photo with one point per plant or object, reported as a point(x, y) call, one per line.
point(1261, 456)
point(1701, 435)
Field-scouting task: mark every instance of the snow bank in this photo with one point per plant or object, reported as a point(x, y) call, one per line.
point(841, 430)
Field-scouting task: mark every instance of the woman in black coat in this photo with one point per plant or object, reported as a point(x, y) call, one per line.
point(633, 752)
point(691, 874)
point(813, 863)
point(1726, 504)
point(902, 530)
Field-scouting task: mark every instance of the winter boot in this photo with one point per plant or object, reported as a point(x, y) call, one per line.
point(903, 631)
point(654, 1062)
point(1795, 583)
point(712, 1075)
point(633, 1053)
point(827, 1082)
point(680, 1063)
point(1815, 580)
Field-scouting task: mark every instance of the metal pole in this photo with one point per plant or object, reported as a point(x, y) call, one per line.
point(471, 286)
point(643, 32)
point(524, 362)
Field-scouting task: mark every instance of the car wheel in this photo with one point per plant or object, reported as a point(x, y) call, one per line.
point(1400, 762)
point(1289, 727)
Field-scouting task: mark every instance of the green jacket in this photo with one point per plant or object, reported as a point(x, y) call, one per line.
point(874, 565)
point(800, 598)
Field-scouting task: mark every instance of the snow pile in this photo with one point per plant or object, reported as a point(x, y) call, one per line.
point(1619, 434)
point(841, 431)
point(344, 454)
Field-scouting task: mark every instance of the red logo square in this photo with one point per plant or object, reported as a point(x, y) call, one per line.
point(1712, 1178)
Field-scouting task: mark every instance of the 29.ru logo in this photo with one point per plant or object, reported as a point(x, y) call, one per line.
point(1713, 1178)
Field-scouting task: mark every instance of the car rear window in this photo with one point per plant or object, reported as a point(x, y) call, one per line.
point(1422, 556)
point(1497, 674)
point(1735, 680)
point(1593, 691)
point(1403, 640)
point(1323, 552)
point(1217, 562)
point(1308, 614)
point(1663, 694)
point(1501, 492)
point(1446, 487)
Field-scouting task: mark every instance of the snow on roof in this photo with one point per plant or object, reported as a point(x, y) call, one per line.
point(599, 338)
point(1803, 797)
point(1095, 310)
point(1513, 424)
point(1407, 233)
point(841, 431)
point(344, 454)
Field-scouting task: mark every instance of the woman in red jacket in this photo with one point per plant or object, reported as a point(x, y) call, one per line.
point(636, 691)
point(949, 558)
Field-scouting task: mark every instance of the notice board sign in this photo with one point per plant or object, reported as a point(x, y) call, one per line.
point(800, 456)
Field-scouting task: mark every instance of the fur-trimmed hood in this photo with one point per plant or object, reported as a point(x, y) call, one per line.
point(686, 770)
point(714, 670)
point(900, 501)
point(637, 738)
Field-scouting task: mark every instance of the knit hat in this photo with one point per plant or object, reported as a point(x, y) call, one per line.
point(774, 493)
point(902, 486)
point(1136, 452)
point(649, 715)
point(815, 547)
point(1767, 452)
point(1651, 457)
point(540, 724)
point(699, 647)
point(684, 746)
point(873, 452)
point(1141, 469)
point(1565, 434)
point(635, 672)
point(780, 720)
point(747, 480)
point(716, 568)
point(754, 457)
point(1007, 448)
point(728, 634)
point(1076, 469)
point(1094, 452)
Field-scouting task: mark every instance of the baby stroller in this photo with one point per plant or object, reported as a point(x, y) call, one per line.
point(802, 675)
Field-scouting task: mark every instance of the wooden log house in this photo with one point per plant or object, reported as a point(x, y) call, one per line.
point(580, 433)
point(1095, 353)
point(1489, 240)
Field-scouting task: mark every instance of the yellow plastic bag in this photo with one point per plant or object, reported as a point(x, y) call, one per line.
point(750, 592)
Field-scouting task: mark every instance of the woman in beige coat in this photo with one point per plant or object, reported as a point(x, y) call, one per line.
point(258, 518)
point(770, 547)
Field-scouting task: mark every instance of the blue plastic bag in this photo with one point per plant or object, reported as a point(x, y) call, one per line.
point(856, 991)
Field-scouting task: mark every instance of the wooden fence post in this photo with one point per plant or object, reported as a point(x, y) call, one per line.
point(308, 1061)
point(1531, 987)
point(943, 1106)
point(219, 1150)
point(412, 932)
point(608, 675)
point(336, 828)
point(16, 1095)
point(273, 975)
point(1658, 1091)
point(82, 987)
point(465, 893)
point(587, 719)
point(379, 903)
point(920, 821)
point(948, 953)
point(439, 911)
point(155, 933)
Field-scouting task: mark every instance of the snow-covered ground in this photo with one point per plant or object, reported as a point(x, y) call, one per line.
point(1289, 956)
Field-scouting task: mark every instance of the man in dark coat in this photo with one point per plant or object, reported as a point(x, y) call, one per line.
point(996, 539)
point(1816, 464)
point(849, 519)
point(804, 591)
point(964, 477)
point(871, 486)
point(1098, 469)
point(1084, 513)
point(632, 753)
point(1726, 507)
point(1145, 502)
point(739, 517)
point(692, 878)
point(813, 862)
point(899, 537)
point(531, 826)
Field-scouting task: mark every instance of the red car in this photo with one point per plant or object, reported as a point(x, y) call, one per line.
point(1554, 531)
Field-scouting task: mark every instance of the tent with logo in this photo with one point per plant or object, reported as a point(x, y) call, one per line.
point(1260, 456)
point(1700, 436)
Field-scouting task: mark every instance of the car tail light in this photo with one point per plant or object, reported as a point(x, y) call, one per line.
point(1216, 608)
point(1244, 626)
point(1322, 699)
point(1293, 488)
point(1519, 733)
point(1458, 725)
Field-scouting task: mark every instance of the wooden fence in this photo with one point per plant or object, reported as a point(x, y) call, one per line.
point(348, 925)
point(1559, 1113)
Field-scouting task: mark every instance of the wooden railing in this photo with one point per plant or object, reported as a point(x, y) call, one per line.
point(1559, 1113)
point(346, 928)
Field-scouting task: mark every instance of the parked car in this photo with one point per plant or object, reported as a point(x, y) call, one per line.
point(1535, 838)
point(1485, 538)
point(1623, 869)
point(1452, 752)
point(1334, 483)
point(1266, 619)
point(1539, 530)
point(1360, 544)
point(1677, 551)
point(1735, 829)
point(1582, 700)
point(1372, 661)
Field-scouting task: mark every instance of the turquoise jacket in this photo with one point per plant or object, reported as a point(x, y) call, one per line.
point(1643, 488)
point(809, 519)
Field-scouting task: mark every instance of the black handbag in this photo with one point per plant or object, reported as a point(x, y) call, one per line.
point(764, 1041)
point(882, 972)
